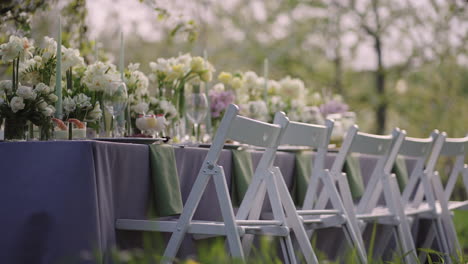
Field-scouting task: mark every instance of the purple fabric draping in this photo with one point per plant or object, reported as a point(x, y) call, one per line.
point(59, 200)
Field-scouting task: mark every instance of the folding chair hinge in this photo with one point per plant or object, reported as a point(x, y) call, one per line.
point(211, 168)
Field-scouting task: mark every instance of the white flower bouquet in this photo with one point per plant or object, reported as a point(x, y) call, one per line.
point(171, 76)
point(33, 98)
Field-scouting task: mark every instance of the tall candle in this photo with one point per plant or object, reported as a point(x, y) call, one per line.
point(122, 54)
point(121, 117)
point(208, 116)
point(265, 75)
point(96, 51)
point(58, 74)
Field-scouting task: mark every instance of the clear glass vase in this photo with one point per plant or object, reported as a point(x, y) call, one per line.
point(16, 129)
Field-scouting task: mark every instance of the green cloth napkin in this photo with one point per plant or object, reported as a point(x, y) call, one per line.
point(165, 179)
point(352, 167)
point(303, 170)
point(242, 173)
point(401, 172)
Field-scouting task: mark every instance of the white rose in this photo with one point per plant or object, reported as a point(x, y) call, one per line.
point(48, 111)
point(17, 104)
point(26, 92)
point(53, 98)
point(69, 105)
point(42, 105)
point(6, 85)
point(42, 88)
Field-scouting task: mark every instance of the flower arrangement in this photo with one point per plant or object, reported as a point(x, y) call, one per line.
point(248, 89)
point(220, 99)
point(171, 75)
point(32, 101)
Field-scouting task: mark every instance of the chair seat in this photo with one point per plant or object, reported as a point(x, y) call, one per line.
point(381, 215)
point(259, 227)
point(322, 221)
point(458, 205)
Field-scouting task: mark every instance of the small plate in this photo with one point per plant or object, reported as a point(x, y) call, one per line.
point(132, 140)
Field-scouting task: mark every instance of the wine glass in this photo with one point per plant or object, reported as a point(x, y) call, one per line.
point(115, 100)
point(196, 110)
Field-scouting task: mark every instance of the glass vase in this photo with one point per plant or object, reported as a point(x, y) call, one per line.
point(15, 129)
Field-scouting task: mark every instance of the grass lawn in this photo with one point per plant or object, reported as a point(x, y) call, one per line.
point(461, 224)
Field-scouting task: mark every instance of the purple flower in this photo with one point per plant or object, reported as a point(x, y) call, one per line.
point(219, 101)
point(333, 107)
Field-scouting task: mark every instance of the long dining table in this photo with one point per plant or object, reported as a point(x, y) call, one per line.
point(59, 199)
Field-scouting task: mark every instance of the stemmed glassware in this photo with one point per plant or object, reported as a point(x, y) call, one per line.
point(115, 101)
point(196, 110)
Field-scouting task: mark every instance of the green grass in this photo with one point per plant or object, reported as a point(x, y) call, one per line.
point(213, 251)
point(461, 224)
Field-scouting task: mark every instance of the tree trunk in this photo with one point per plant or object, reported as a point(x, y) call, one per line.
point(338, 75)
point(382, 104)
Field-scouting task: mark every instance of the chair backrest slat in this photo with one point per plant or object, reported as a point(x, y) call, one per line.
point(253, 132)
point(416, 147)
point(455, 147)
point(301, 134)
point(371, 144)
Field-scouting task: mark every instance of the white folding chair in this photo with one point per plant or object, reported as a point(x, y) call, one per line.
point(251, 132)
point(316, 215)
point(312, 216)
point(419, 186)
point(456, 148)
point(438, 202)
point(381, 182)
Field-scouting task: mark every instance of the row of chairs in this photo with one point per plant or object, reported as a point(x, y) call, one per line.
point(332, 204)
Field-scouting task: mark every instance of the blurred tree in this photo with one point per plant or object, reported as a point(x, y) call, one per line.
point(15, 15)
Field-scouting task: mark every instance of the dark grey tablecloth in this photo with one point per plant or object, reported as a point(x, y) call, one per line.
point(59, 200)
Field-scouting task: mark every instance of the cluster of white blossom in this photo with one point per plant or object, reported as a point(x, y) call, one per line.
point(136, 81)
point(16, 47)
point(25, 98)
point(101, 77)
point(183, 68)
